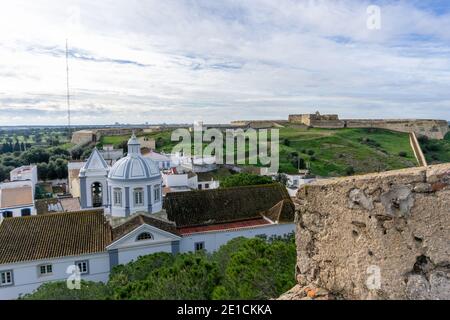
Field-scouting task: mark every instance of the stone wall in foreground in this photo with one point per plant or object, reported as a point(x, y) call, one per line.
point(395, 224)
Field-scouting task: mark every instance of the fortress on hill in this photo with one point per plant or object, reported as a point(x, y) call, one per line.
point(433, 129)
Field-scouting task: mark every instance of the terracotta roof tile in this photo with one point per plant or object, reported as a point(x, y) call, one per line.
point(53, 235)
point(138, 220)
point(206, 207)
point(224, 226)
point(16, 197)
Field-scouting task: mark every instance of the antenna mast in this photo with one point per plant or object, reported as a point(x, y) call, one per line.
point(68, 92)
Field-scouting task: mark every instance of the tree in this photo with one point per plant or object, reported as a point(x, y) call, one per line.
point(244, 179)
point(257, 269)
point(59, 291)
point(281, 178)
point(190, 276)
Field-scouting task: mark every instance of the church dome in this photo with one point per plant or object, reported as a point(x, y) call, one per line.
point(134, 166)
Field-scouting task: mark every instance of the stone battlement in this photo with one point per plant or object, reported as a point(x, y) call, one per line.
point(376, 236)
point(434, 129)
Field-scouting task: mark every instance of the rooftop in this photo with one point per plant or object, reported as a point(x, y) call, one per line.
point(16, 197)
point(139, 220)
point(206, 207)
point(53, 235)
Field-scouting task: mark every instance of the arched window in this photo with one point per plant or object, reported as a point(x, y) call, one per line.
point(144, 236)
point(97, 194)
point(117, 197)
point(138, 197)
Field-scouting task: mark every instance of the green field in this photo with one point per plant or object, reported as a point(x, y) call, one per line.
point(436, 151)
point(326, 152)
point(341, 152)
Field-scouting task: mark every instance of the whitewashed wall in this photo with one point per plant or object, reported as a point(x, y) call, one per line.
point(128, 254)
point(214, 240)
point(27, 278)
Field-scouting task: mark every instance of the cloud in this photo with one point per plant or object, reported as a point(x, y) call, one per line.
point(217, 61)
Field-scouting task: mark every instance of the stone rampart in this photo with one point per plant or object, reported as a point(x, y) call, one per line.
point(377, 236)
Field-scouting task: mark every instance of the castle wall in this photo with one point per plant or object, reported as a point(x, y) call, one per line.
point(83, 137)
point(377, 236)
point(433, 129)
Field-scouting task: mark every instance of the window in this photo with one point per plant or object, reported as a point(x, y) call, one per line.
point(97, 194)
point(26, 212)
point(6, 278)
point(7, 214)
point(206, 185)
point(144, 236)
point(45, 269)
point(199, 246)
point(138, 197)
point(157, 193)
point(117, 197)
point(83, 266)
point(199, 187)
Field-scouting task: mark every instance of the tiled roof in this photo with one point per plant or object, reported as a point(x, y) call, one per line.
point(206, 207)
point(44, 206)
point(16, 197)
point(224, 226)
point(283, 211)
point(70, 204)
point(53, 235)
point(138, 220)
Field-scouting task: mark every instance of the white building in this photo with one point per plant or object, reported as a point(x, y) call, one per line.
point(25, 173)
point(164, 162)
point(17, 199)
point(175, 181)
point(132, 184)
point(49, 247)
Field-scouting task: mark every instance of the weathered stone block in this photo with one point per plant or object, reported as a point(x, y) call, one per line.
point(377, 236)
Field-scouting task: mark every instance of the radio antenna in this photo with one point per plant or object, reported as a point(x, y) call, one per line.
point(67, 82)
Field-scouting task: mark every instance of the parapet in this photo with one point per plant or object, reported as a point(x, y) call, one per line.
point(376, 236)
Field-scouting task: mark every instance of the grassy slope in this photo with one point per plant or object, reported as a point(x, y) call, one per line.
point(334, 150)
point(436, 151)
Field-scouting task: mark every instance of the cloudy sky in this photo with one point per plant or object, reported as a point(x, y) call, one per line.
point(171, 61)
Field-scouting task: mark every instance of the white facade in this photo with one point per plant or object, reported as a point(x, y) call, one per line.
point(180, 180)
point(213, 240)
point(163, 161)
point(207, 185)
point(26, 276)
point(25, 173)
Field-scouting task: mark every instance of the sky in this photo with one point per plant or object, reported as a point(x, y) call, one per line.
point(181, 61)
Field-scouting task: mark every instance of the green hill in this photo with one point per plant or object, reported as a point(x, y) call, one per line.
point(342, 152)
point(436, 151)
point(327, 152)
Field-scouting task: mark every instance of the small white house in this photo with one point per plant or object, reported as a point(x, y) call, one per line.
point(179, 181)
point(25, 173)
point(17, 199)
point(164, 162)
